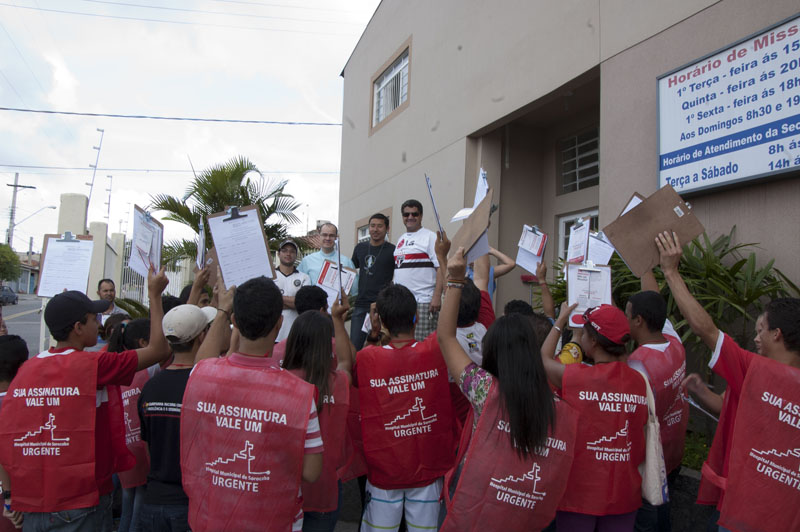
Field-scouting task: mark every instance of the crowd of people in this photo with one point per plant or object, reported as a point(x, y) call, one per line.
point(248, 408)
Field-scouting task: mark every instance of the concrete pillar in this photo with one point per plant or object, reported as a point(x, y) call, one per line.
point(72, 214)
point(98, 230)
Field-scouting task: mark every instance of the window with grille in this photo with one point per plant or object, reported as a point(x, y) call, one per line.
point(390, 89)
point(580, 161)
point(363, 234)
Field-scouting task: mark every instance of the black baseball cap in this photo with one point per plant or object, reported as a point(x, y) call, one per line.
point(68, 308)
point(289, 242)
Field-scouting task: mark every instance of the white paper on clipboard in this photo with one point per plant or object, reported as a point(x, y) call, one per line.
point(480, 192)
point(329, 277)
point(66, 265)
point(201, 247)
point(241, 249)
point(578, 241)
point(600, 249)
point(148, 238)
point(588, 286)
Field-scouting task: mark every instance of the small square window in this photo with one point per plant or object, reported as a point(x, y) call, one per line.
point(390, 89)
point(580, 161)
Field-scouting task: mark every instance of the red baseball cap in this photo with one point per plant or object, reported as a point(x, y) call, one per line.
point(607, 320)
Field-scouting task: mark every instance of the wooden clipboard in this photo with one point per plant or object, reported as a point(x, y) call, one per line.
point(633, 235)
point(234, 213)
point(43, 261)
point(473, 227)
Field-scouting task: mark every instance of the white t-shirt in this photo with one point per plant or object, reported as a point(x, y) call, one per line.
point(415, 263)
point(289, 285)
point(471, 340)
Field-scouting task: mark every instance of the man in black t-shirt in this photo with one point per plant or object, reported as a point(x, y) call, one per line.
point(375, 262)
point(166, 506)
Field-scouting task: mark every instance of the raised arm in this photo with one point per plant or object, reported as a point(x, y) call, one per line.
point(504, 263)
point(157, 349)
point(708, 399)
point(700, 322)
point(555, 369)
point(218, 337)
point(548, 305)
point(198, 286)
point(480, 272)
point(344, 347)
point(649, 282)
point(454, 355)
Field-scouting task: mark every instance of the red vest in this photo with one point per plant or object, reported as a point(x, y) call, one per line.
point(323, 495)
point(243, 431)
point(406, 415)
point(611, 400)
point(356, 464)
point(497, 486)
point(666, 371)
point(130, 398)
point(47, 434)
point(763, 488)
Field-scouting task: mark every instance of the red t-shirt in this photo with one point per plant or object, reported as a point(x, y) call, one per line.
point(112, 369)
point(730, 362)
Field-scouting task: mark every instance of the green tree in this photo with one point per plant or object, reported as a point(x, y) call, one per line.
point(235, 183)
point(9, 264)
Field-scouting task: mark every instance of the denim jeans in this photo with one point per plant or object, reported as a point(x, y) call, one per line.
point(357, 336)
point(92, 519)
point(131, 506)
point(164, 518)
point(323, 521)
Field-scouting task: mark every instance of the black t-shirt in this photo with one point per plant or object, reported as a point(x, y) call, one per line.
point(160, 415)
point(375, 270)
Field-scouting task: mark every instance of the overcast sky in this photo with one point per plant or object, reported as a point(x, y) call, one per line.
point(233, 59)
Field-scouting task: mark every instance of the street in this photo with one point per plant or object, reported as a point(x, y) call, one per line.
point(23, 319)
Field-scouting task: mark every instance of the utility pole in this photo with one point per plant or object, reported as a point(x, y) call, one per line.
point(94, 166)
point(16, 186)
point(108, 203)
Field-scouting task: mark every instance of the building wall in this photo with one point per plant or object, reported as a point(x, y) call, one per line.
point(497, 85)
point(763, 212)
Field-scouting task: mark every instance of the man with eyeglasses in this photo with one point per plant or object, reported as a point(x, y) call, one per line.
point(312, 264)
point(417, 268)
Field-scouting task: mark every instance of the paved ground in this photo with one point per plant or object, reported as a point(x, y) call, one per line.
point(23, 319)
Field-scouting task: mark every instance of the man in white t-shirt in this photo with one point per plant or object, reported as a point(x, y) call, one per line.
point(417, 268)
point(289, 280)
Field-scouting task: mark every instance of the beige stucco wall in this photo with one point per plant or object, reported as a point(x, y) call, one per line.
point(763, 212)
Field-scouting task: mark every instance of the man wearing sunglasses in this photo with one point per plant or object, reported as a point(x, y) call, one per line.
point(417, 269)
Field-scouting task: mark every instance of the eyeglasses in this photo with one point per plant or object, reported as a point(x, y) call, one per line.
point(410, 214)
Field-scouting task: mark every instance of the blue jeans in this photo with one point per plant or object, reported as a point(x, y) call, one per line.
point(131, 506)
point(357, 336)
point(323, 521)
point(164, 518)
point(92, 519)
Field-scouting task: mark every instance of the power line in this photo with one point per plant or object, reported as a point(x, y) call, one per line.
point(163, 170)
point(206, 12)
point(264, 4)
point(181, 22)
point(180, 118)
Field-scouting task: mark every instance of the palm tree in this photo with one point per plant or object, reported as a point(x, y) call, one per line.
point(235, 183)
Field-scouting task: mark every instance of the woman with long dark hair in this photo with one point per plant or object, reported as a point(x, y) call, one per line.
point(309, 356)
point(515, 454)
point(604, 488)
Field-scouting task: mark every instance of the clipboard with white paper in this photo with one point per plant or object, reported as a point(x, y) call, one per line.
point(589, 286)
point(66, 262)
point(600, 249)
point(433, 202)
point(201, 246)
point(148, 238)
point(530, 249)
point(481, 189)
point(332, 276)
point(578, 243)
point(241, 245)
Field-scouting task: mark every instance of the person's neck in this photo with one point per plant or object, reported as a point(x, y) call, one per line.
point(789, 358)
point(413, 230)
point(109, 309)
point(77, 345)
point(286, 269)
point(4, 386)
point(601, 357)
point(650, 337)
point(402, 337)
point(327, 251)
point(260, 347)
point(376, 243)
point(183, 360)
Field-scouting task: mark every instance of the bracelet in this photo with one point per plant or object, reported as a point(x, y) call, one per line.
point(456, 281)
point(556, 327)
point(451, 284)
point(227, 313)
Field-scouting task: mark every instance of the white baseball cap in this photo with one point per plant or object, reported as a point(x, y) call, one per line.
point(185, 322)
